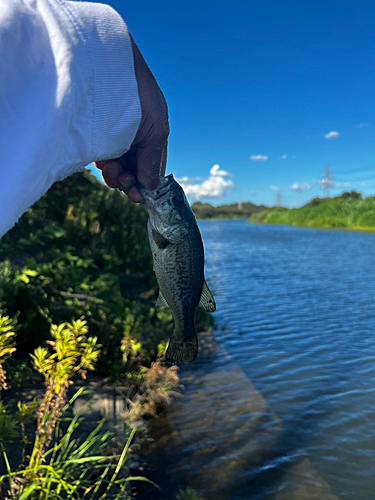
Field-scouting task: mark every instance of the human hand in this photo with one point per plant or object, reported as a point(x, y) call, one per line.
point(146, 160)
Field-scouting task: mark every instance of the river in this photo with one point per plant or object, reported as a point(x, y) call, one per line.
point(296, 313)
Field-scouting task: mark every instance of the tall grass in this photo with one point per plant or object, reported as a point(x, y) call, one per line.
point(347, 211)
point(62, 464)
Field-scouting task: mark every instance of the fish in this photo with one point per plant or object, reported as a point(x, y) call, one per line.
point(178, 262)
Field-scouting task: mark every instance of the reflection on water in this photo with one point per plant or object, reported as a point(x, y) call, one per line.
point(224, 441)
point(296, 311)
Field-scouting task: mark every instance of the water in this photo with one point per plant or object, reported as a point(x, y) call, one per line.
point(283, 406)
point(296, 311)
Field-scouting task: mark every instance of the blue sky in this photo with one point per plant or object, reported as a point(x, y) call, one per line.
point(264, 79)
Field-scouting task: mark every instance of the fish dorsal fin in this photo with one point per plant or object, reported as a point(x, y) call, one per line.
point(161, 302)
point(160, 240)
point(206, 302)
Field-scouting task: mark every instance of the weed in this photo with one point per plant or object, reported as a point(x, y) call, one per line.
point(160, 385)
point(6, 345)
point(61, 465)
point(187, 494)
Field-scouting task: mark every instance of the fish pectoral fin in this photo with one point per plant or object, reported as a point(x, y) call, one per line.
point(206, 302)
point(160, 240)
point(161, 302)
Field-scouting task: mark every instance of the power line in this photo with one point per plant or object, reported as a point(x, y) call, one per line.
point(356, 179)
point(364, 168)
point(304, 196)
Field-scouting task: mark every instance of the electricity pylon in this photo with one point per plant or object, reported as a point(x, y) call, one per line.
point(326, 181)
point(278, 198)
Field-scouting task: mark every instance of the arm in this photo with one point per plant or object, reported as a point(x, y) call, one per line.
point(147, 157)
point(68, 96)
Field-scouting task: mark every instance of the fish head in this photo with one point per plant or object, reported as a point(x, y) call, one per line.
point(167, 204)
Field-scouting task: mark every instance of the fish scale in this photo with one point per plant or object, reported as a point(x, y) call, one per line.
point(178, 258)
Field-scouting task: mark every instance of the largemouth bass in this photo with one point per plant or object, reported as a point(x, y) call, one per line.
point(178, 258)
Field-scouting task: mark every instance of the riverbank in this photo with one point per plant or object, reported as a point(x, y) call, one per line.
point(224, 441)
point(212, 452)
point(78, 262)
point(347, 211)
point(205, 211)
point(108, 409)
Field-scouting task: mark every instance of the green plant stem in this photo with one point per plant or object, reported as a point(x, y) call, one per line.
point(120, 462)
point(7, 465)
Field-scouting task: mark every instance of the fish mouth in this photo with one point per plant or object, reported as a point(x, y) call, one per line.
point(164, 187)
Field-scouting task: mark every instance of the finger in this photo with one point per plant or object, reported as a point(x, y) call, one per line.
point(164, 159)
point(150, 161)
point(100, 164)
point(126, 180)
point(134, 195)
point(111, 171)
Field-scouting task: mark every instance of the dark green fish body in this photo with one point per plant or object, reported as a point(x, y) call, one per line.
point(178, 256)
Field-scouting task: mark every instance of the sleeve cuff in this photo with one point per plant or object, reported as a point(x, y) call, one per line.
point(115, 111)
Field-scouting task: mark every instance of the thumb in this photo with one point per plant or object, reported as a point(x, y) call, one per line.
point(151, 162)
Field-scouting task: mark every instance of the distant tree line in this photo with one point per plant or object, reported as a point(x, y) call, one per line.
point(232, 211)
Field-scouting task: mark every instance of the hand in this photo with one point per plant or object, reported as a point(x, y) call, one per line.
point(146, 160)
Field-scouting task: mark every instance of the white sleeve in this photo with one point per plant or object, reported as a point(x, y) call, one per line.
point(68, 95)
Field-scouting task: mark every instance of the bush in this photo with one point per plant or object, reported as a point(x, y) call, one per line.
point(347, 211)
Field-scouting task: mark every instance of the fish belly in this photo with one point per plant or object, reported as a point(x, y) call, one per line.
point(179, 273)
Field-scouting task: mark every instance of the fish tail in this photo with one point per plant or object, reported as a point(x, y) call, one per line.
point(182, 351)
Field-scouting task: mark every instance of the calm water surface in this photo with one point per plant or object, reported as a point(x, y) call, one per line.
point(296, 310)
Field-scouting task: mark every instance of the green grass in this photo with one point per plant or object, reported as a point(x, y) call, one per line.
point(347, 211)
point(62, 464)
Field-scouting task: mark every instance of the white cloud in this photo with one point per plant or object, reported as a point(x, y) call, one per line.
point(283, 157)
point(275, 188)
point(332, 135)
point(362, 125)
point(363, 183)
point(258, 158)
point(215, 170)
point(303, 186)
point(294, 157)
point(341, 185)
point(216, 185)
point(193, 180)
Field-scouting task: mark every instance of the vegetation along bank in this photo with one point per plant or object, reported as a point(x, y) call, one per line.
point(347, 211)
point(234, 211)
point(77, 294)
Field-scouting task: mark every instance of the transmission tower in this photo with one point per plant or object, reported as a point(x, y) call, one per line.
point(326, 181)
point(239, 204)
point(278, 198)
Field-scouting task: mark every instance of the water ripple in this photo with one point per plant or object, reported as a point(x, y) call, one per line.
point(297, 311)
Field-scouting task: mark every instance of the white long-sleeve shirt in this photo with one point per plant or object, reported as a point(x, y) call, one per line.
point(68, 95)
